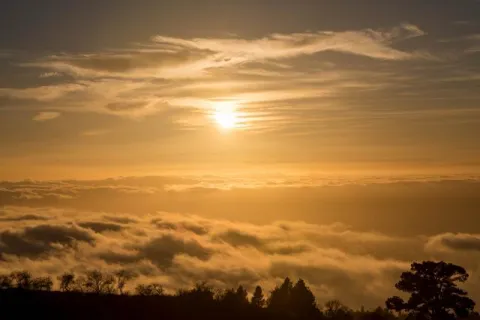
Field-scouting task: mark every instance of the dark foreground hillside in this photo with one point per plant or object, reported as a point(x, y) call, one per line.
point(21, 304)
point(15, 304)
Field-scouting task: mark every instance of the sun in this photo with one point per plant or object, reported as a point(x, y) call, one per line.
point(225, 115)
point(226, 120)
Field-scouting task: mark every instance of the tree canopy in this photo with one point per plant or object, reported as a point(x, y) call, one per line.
point(434, 293)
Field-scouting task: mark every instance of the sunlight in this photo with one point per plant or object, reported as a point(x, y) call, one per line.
point(225, 114)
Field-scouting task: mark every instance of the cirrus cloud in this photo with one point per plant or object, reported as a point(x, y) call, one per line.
point(46, 116)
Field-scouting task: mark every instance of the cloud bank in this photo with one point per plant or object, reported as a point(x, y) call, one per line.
point(178, 236)
point(177, 250)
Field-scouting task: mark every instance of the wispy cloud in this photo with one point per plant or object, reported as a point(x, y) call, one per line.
point(170, 57)
point(49, 74)
point(47, 93)
point(464, 23)
point(454, 242)
point(368, 43)
point(46, 116)
point(265, 76)
point(94, 132)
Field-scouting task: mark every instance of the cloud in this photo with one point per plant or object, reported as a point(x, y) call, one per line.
point(26, 217)
point(120, 219)
point(225, 252)
point(395, 205)
point(454, 241)
point(144, 79)
point(101, 226)
point(94, 132)
point(49, 74)
point(464, 23)
point(238, 238)
point(474, 41)
point(474, 37)
point(170, 57)
point(179, 79)
point(473, 49)
point(46, 116)
point(40, 240)
point(162, 250)
point(6, 54)
point(47, 93)
point(133, 62)
point(137, 107)
point(180, 225)
point(289, 84)
point(368, 43)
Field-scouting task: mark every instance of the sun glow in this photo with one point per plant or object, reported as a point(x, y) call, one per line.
point(225, 115)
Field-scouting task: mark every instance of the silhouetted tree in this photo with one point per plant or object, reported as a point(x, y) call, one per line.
point(122, 277)
point(433, 292)
point(42, 284)
point(303, 301)
point(431, 285)
point(228, 298)
point(258, 299)
point(98, 282)
point(67, 282)
point(377, 314)
point(21, 280)
point(334, 309)
point(473, 316)
point(153, 289)
point(242, 296)
point(234, 298)
point(384, 312)
point(279, 299)
point(201, 296)
point(227, 295)
point(5, 282)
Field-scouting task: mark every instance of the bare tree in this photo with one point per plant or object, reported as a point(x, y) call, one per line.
point(98, 282)
point(122, 277)
point(5, 282)
point(153, 289)
point(42, 284)
point(21, 279)
point(336, 310)
point(67, 282)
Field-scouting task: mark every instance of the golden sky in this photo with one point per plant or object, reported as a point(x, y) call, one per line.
point(275, 87)
point(241, 141)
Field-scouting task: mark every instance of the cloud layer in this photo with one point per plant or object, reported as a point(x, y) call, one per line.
point(408, 205)
point(178, 250)
point(355, 253)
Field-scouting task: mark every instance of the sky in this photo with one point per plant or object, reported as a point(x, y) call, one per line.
point(90, 89)
point(332, 140)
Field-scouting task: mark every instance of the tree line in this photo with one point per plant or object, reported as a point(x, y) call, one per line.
point(430, 288)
